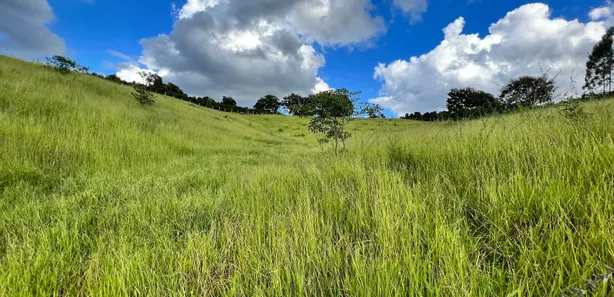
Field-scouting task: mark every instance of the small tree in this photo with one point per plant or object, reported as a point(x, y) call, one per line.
point(267, 104)
point(469, 102)
point(600, 64)
point(375, 112)
point(65, 65)
point(528, 91)
point(142, 92)
point(332, 110)
point(573, 111)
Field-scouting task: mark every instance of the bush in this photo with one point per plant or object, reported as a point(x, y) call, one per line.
point(142, 95)
point(573, 111)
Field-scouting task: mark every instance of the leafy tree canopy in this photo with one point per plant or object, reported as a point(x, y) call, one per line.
point(528, 91)
point(332, 110)
point(65, 65)
point(600, 63)
point(229, 101)
point(267, 104)
point(295, 104)
point(469, 102)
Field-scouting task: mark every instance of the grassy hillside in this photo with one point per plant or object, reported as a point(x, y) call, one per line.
point(101, 197)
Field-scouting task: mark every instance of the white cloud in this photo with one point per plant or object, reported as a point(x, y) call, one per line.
point(130, 73)
point(249, 48)
point(601, 12)
point(332, 22)
point(604, 14)
point(414, 8)
point(228, 51)
point(516, 45)
point(194, 6)
point(22, 25)
point(320, 86)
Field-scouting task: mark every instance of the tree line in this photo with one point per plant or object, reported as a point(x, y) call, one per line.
point(469, 103)
point(293, 104)
point(526, 91)
point(153, 83)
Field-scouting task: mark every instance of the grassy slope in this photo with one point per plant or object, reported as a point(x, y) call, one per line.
point(99, 196)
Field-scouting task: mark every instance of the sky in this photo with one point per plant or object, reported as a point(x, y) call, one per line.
point(402, 54)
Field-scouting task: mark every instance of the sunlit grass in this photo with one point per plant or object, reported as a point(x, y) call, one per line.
point(101, 197)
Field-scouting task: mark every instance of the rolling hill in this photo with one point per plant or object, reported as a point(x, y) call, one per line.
point(102, 197)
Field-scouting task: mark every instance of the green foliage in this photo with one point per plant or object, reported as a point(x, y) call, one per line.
point(142, 92)
point(175, 91)
point(155, 83)
point(100, 198)
point(295, 104)
point(143, 95)
point(527, 91)
point(471, 103)
point(267, 104)
point(65, 65)
point(375, 112)
point(600, 65)
point(229, 101)
point(332, 110)
point(114, 78)
point(574, 112)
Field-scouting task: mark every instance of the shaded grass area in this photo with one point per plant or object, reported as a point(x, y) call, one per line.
point(100, 197)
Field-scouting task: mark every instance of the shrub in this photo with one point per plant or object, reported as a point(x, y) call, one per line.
point(142, 92)
point(573, 111)
point(142, 95)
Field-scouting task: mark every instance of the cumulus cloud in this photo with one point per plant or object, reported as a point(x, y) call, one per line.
point(600, 12)
point(414, 8)
point(320, 86)
point(194, 6)
point(604, 14)
point(516, 45)
point(332, 22)
point(22, 25)
point(249, 48)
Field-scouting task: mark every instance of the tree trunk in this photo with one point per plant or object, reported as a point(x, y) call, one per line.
point(342, 130)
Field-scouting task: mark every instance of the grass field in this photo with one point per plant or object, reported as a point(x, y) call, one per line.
point(101, 197)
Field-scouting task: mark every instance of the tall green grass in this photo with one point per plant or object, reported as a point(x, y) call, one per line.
point(100, 197)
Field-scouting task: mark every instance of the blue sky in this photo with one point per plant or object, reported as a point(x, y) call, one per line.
point(90, 29)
